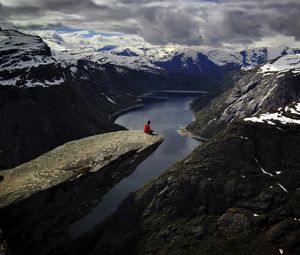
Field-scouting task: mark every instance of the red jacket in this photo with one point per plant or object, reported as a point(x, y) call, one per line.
point(147, 129)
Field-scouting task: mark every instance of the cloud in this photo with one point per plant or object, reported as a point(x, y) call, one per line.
point(187, 22)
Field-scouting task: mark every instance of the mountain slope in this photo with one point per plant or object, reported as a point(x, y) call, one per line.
point(236, 194)
point(49, 99)
point(259, 90)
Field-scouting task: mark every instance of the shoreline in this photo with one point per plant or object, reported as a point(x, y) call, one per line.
point(142, 99)
point(184, 132)
point(151, 96)
point(112, 117)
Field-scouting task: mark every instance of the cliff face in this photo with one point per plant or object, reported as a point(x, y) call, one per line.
point(41, 198)
point(237, 194)
point(260, 90)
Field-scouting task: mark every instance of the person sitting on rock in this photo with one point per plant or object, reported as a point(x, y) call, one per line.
point(147, 128)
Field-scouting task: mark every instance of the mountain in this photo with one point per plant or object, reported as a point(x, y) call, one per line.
point(26, 61)
point(262, 89)
point(191, 60)
point(237, 193)
point(195, 60)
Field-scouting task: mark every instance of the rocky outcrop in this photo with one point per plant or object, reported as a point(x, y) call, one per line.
point(41, 198)
point(48, 98)
point(236, 194)
point(256, 91)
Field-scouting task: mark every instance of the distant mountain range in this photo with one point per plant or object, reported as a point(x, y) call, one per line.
point(175, 59)
point(66, 49)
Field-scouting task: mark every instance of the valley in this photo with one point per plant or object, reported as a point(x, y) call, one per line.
point(166, 117)
point(73, 181)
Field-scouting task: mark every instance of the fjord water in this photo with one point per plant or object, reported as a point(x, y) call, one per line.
point(166, 117)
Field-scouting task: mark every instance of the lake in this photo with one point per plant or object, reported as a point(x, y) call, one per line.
point(166, 117)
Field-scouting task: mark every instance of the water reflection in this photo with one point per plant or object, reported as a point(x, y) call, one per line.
point(166, 117)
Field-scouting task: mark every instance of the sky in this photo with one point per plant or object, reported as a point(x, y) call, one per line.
point(214, 23)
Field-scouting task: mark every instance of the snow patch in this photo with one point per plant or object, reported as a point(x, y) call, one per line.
point(282, 116)
point(10, 82)
point(163, 191)
point(109, 99)
point(211, 120)
point(244, 138)
point(283, 188)
point(45, 84)
point(283, 64)
point(263, 170)
point(74, 69)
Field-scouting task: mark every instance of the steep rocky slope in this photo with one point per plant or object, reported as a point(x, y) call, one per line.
point(48, 98)
point(259, 90)
point(41, 198)
point(236, 194)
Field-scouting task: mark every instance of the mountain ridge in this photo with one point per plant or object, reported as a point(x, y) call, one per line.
point(186, 59)
point(264, 88)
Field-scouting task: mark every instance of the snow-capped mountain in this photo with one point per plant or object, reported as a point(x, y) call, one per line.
point(195, 60)
point(258, 91)
point(265, 88)
point(138, 54)
point(26, 60)
point(287, 63)
point(285, 115)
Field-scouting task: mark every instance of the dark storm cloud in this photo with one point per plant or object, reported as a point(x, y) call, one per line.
point(3, 11)
point(191, 22)
point(163, 24)
point(22, 10)
point(261, 20)
point(49, 26)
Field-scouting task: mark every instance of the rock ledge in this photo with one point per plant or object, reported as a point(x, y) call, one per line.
point(41, 198)
point(70, 161)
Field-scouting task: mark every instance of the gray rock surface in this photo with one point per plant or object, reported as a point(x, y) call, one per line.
point(41, 198)
point(253, 93)
point(236, 194)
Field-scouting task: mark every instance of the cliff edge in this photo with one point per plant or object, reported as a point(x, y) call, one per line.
point(41, 198)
